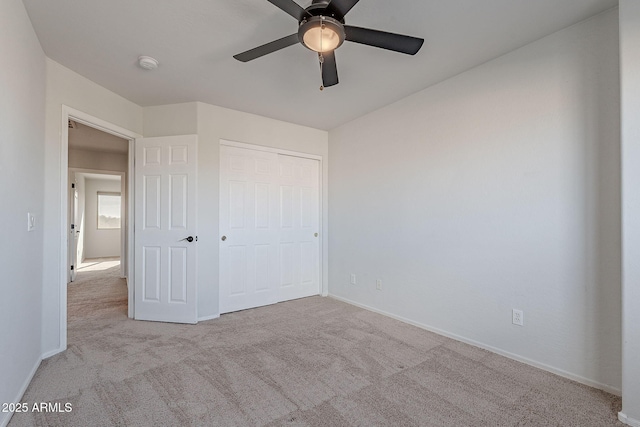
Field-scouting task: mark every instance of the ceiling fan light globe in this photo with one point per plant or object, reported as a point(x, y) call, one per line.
point(321, 34)
point(321, 40)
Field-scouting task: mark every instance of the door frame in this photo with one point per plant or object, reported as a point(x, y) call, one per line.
point(324, 291)
point(71, 237)
point(69, 113)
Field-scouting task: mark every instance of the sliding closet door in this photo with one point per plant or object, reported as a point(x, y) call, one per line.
point(248, 229)
point(269, 224)
point(299, 213)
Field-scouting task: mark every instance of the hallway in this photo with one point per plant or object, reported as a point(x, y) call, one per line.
point(97, 294)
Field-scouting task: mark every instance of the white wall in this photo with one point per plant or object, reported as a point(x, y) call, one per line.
point(97, 160)
point(22, 84)
point(211, 124)
point(99, 243)
point(496, 189)
point(630, 109)
point(64, 87)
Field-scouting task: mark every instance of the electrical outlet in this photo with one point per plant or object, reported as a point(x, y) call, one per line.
point(517, 317)
point(353, 279)
point(379, 284)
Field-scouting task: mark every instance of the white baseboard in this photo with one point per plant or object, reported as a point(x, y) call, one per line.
point(6, 417)
point(205, 318)
point(628, 421)
point(577, 378)
point(52, 353)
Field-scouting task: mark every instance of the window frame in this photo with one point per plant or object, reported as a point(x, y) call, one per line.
point(107, 193)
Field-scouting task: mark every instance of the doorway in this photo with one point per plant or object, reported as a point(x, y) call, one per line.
point(97, 165)
point(97, 217)
point(78, 117)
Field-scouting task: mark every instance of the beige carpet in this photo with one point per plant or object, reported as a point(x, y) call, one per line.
point(310, 362)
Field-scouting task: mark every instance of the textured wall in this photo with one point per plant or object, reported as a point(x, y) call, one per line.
point(630, 85)
point(22, 121)
point(86, 159)
point(496, 189)
point(99, 243)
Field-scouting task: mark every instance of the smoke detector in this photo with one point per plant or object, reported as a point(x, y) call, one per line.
point(147, 62)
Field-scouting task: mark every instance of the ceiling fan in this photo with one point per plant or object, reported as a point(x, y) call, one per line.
point(321, 28)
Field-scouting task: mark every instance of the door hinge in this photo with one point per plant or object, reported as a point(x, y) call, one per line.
point(73, 185)
point(73, 226)
point(72, 267)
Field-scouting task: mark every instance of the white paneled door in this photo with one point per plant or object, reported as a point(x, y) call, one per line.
point(165, 229)
point(269, 228)
point(299, 221)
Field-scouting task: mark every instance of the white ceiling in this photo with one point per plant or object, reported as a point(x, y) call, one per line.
point(82, 137)
point(194, 41)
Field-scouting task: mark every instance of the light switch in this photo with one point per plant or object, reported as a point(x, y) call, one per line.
point(31, 222)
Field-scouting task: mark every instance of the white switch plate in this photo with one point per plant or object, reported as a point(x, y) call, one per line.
point(353, 279)
point(379, 284)
point(31, 222)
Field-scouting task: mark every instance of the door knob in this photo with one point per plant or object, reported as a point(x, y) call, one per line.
point(315, 234)
point(223, 238)
point(188, 239)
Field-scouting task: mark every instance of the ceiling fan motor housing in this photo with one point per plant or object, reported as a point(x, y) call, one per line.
point(323, 7)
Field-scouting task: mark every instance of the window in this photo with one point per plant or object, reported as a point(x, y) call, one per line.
point(108, 210)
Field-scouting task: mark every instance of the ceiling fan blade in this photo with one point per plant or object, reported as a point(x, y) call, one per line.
point(265, 49)
point(342, 6)
point(291, 7)
point(329, 69)
point(390, 41)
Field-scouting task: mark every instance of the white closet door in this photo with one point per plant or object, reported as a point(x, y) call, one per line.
point(269, 220)
point(248, 228)
point(299, 206)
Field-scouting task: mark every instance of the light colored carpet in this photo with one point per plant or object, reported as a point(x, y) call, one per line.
point(310, 362)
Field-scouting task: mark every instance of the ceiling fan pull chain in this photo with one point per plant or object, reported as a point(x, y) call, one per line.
point(320, 55)
point(321, 58)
